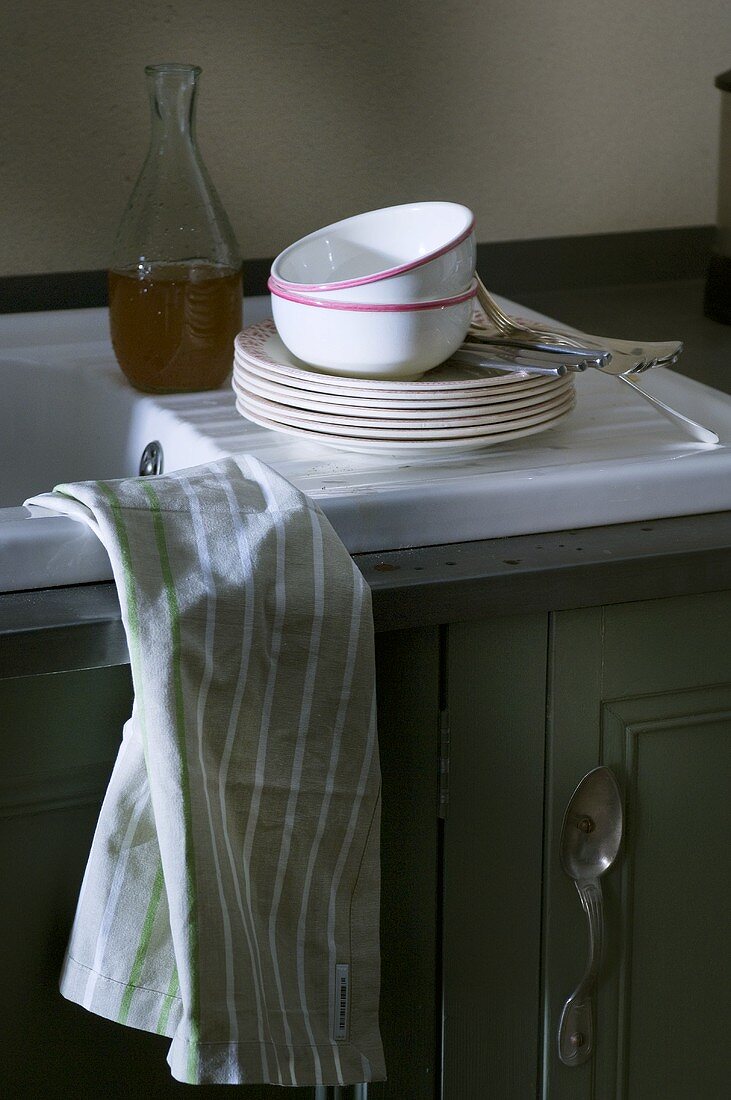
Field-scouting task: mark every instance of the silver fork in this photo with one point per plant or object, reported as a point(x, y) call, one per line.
point(563, 360)
point(603, 359)
point(627, 356)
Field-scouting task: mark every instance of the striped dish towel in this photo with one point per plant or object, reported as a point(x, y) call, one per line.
point(231, 897)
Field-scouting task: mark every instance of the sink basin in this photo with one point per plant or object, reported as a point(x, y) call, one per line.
point(72, 421)
point(69, 414)
point(60, 423)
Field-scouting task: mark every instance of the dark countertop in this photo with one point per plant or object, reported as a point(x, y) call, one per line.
point(59, 628)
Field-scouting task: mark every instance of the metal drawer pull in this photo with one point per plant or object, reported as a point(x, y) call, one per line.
point(590, 840)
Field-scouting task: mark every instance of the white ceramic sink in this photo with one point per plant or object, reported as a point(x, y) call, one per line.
point(68, 414)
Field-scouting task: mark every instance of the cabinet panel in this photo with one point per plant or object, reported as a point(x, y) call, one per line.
point(496, 676)
point(665, 645)
point(649, 694)
point(407, 677)
point(669, 968)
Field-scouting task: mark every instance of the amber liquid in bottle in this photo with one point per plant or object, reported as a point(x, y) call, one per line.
point(173, 324)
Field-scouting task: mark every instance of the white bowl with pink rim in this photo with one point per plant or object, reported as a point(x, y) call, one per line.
point(420, 251)
point(361, 339)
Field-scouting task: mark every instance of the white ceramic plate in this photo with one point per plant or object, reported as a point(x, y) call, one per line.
point(446, 382)
point(398, 447)
point(343, 423)
point(260, 345)
point(419, 405)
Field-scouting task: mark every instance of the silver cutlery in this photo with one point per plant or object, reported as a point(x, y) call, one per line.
point(610, 362)
point(510, 360)
point(628, 356)
point(489, 338)
point(625, 359)
point(692, 427)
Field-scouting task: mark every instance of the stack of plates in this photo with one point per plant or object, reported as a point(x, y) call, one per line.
point(451, 408)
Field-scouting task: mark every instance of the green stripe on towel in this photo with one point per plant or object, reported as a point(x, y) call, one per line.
point(134, 978)
point(174, 612)
point(137, 667)
point(170, 996)
point(133, 617)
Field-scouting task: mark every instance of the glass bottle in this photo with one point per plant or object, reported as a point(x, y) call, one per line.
point(175, 290)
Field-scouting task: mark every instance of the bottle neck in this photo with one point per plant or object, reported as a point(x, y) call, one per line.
point(173, 214)
point(172, 90)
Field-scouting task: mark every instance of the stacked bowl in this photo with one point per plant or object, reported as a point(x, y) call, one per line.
point(367, 315)
point(385, 294)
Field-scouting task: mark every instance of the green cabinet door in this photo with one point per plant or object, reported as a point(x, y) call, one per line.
point(407, 680)
point(645, 688)
point(495, 705)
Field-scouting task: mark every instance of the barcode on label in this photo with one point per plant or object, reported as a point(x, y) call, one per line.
point(342, 999)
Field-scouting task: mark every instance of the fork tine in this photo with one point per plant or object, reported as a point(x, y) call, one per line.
point(666, 353)
point(650, 363)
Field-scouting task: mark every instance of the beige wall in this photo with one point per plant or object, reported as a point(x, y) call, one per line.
point(547, 117)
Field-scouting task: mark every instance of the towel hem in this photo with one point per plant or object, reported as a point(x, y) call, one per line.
point(217, 1062)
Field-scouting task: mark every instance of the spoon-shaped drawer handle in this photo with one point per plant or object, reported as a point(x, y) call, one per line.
point(590, 840)
point(576, 1030)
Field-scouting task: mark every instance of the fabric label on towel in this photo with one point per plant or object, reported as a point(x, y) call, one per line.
point(342, 999)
